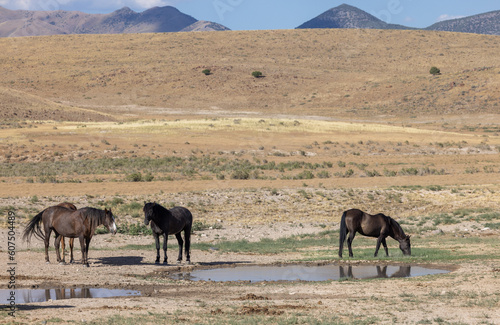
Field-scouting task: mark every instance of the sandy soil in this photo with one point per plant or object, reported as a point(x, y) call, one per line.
point(467, 295)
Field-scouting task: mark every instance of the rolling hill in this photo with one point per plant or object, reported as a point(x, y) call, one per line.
point(125, 20)
point(334, 73)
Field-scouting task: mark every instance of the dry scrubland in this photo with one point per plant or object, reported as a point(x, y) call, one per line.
point(329, 73)
point(341, 119)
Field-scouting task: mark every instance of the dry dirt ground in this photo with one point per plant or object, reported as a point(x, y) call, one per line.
point(469, 294)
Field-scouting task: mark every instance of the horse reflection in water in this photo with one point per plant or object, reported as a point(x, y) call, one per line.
point(403, 272)
point(41, 295)
point(63, 293)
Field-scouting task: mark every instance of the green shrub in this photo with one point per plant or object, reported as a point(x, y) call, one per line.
point(257, 74)
point(134, 229)
point(306, 174)
point(148, 177)
point(207, 72)
point(240, 174)
point(324, 174)
point(435, 71)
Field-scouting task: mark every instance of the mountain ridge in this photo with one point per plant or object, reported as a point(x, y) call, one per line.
point(487, 23)
point(347, 16)
point(154, 20)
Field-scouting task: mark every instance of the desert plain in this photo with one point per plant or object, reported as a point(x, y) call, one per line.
point(339, 119)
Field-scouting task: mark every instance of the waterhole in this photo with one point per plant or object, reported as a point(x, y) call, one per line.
point(23, 296)
point(306, 273)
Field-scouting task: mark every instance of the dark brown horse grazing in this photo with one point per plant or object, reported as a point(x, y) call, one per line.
point(79, 224)
point(169, 222)
point(379, 226)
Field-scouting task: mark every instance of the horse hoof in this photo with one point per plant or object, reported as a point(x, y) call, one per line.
point(188, 262)
point(86, 265)
point(47, 262)
point(157, 262)
point(62, 263)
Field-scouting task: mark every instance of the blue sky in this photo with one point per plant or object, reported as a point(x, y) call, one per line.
point(277, 14)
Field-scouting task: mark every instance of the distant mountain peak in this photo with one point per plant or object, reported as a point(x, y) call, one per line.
point(204, 26)
point(347, 16)
point(125, 10)
point(124, 20)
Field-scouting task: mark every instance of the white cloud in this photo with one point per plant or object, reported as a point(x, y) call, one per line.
point(151, 3)
point(84, 5)
point(409, 19)
point(448, 17)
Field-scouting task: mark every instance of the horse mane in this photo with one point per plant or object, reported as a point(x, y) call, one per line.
point(155, 212)
point(95, 217)
point(396, 225)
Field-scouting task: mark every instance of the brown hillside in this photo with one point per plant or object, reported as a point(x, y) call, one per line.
point(306, 72)
point(19, 105)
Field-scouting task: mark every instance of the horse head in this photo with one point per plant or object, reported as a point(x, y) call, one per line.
point(109, 221)
point(148, 212)
point(405, 246)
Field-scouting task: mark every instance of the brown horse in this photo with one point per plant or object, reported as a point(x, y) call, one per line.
point(379, 226)
point(169, 222)
point(48, 213)
point(79, 224)
point(70, 206)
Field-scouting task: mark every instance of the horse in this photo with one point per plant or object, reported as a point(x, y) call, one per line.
point(379, 226)
point(71, 240)
point(169, 222)
point(48, 213)
point(79, 224)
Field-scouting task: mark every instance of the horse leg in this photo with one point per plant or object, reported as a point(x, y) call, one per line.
point(71, 245)
point(380, 240)
point(385, 247)
point(165, 240)
point(181, 243)
point(349, 242)
point(82, 247)
point(63, 249)
point(46, 242)
point(87, 244)
point(157, 243)
point(187, 238)
point(57, 242)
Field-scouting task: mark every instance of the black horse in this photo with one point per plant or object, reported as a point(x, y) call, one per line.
point(379, 225)
point(169, 222)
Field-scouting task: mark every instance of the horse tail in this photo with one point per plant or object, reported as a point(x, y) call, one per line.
point(33, 228)
point(343, 233)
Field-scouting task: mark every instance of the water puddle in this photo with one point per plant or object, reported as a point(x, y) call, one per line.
point(40, 295)
point(305, 273)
